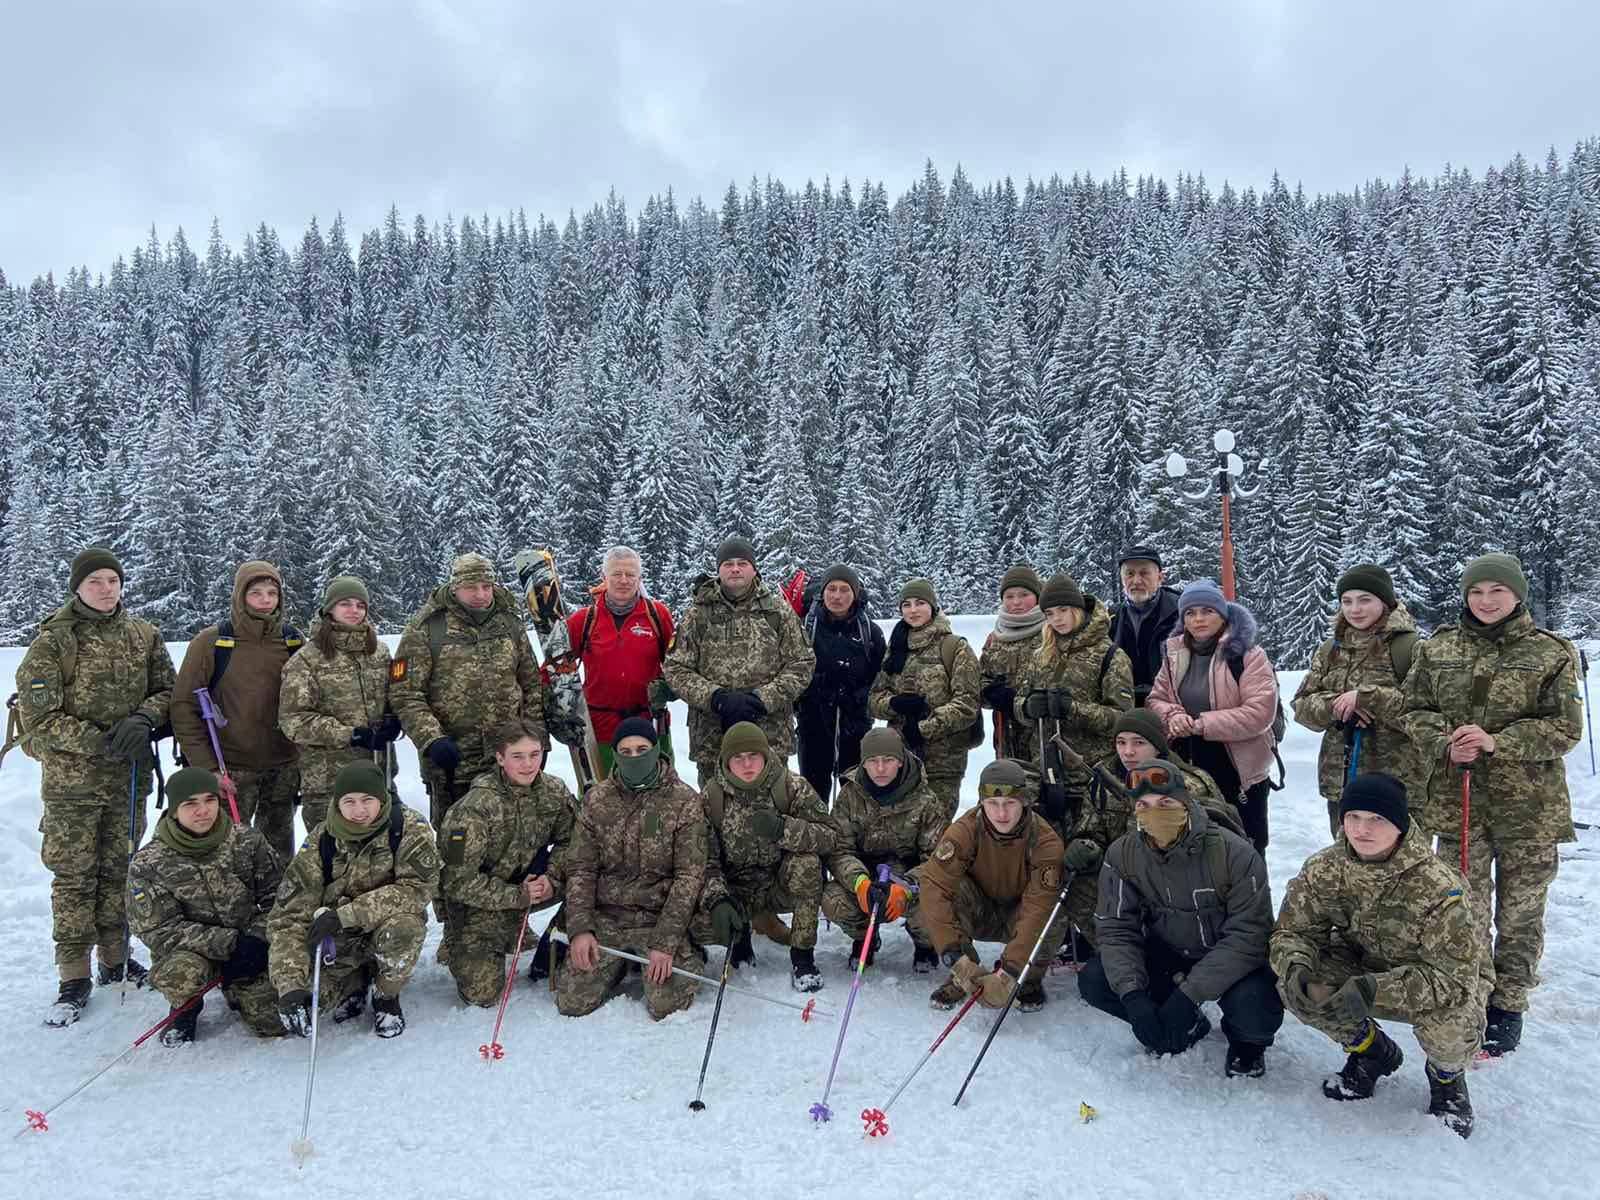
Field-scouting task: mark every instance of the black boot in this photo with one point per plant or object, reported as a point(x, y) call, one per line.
point(547, 957)
point(181, 1031)
point(742, 951)
point(923, 959)
point(1030, 996)
point(387, 1019)
point(1448, 1099)
point(70, 1002)
point(1362, 1070)
point(1503, 1032)
point(872, 954)
point(1074, 952)
point(1246, 1059)
point(136, 971)
point(351, 1006)
point(804, 976)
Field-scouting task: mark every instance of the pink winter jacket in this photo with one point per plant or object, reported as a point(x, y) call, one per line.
point(1241, 712)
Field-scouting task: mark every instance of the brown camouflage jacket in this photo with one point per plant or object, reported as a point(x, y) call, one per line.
point(323, 700)
point(202, 905)
point(489, 839)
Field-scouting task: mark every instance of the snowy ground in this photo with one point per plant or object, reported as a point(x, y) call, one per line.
point(597, 1107)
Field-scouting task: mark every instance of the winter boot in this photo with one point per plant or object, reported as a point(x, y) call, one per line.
point(770, 925)
point(1503, 1032)
point(923, 959)
point(387, 1019)
point(1030, 996)
point(742, 951)
point(1074, 952)
point(948, 994)
point(1246, 1059)
point(70, 1002)
point(1372, 1056)
point(181, 1031)
point(547, 956)
point(351, 1005)
point(872, 954)
point(136, 971)
point(803, 973)
point(1448, 1099)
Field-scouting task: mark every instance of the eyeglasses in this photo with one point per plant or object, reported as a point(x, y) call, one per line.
point(1153, 779)
point(1001, 791)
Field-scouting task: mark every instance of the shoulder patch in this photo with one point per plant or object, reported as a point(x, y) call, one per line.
point(39, 691)
point(946, 851)
point(397, 670)
point(1050, 876)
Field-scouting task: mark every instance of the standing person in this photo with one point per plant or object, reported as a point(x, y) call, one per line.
point(927, 690)
point(241, 660)
point(1217, 693)
point(1354, 687)
point(1007, 652)
point(464, 666)
point(621, 638)
point(832, 712)
point(740, 655)
point(334, 700)
point(634, 875)
point(91, 688)
point(1146, 618)
point(198, 896)
point(1497, 696)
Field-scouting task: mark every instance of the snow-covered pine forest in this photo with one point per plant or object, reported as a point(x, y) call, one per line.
point(938, 384)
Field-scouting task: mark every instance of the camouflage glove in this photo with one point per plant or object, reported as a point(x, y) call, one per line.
point(129, 738)
point(998, 696)
point(910, 705)
point(325, 924)
point(768, 824)
point(1083, 854)
point(1037, 706)
point(1354, 1000)
point(294, 1012)
point(444, 754)
point(1145, 1020)
point(727, 922)
point(1298, 984)
point(659, 693)
point(1060, 703)
point(1178, 1015)
point(249, 959)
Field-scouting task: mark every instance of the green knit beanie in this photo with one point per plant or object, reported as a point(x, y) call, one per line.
point(883, 742)
point(1367, 577)
point(1496, 568)
point(189, 783)
point(1022, 576)
point(364, 777)
point(920, 589)
point(91, 559)
point(745, 738)
point(344, 587)
point(1061, 592)
point(1147, 725)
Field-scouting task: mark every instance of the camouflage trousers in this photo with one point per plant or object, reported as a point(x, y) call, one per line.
point(794, 887)
point(579, 993)
point(945, 783)
point(841, 906)
point(266, 800)
point(1523, 872)
point(384, 957)
point(1449, 1036)
point(86, 851)
point(480, 939)
point(183, 973)
point(981, 918)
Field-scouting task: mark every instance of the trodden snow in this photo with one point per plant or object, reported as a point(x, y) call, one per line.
point(599, 1106)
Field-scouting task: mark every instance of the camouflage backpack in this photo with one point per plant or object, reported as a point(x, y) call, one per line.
point(950, 646)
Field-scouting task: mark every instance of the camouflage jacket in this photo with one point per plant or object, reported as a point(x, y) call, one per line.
point(1521, 687)
point(369, 883)
point(1097, 699)
point(637, 859)
point(1360, 662)
point(1009, 661)
point(323, 701)
point(83, 674)
point(752, 644)
point(485, 675)
point(202, 905)
point(901, 831)
point(489, 839)
point(952, 697)
point(740, 858)
point(1408, 920)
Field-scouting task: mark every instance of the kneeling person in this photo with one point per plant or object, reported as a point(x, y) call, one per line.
point(503, 846)
point(363, 878)
point(1184, 898)
point(1376, 926)
point(634, 874)
point(199, 893)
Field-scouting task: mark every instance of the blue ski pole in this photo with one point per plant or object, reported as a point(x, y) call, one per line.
point(1355, 757)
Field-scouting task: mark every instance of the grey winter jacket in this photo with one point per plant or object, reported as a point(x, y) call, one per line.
point(1220, 924)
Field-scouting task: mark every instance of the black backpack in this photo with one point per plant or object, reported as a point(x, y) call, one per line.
point(1280, 724)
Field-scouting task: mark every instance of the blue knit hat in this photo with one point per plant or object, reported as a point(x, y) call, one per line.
point(1202, 593)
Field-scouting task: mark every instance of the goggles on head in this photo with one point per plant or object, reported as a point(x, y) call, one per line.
point(1001, 791)
point(1144, 780)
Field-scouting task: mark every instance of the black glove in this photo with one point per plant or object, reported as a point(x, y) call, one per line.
point(294, 1011)
point(249, 959)
point(999, 696)
point(444, 754)
point(727, 922)
point(324, 924)
point(767, 824)
point(1083, 854)
point(1178, 1014)
point(1037, 706)
point(1145, 1020)
point(1060, 703)
point(911, 731)
point(364, 737)
point(1053, 801)
point(129, 738)
point(388, 731)
point(910, 705)
point(732, 707)
point(878, 893)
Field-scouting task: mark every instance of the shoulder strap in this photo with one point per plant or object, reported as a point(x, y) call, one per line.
point(713, 795)
point(950, 646)
point(13, 727)
point(69, 655)
point(221, 652)
point(1216, 852)
point(434, 624)
point(1236, 665)
point(590, 615)
point(653, 610)
point(1105, 665)
point(1401, 646)
point(780, 792)
point(325, 853)
point(397, 828)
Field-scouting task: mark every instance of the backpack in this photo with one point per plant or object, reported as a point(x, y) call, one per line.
point(222, 650)
point(1280, 723)
point(714, 800)
point(950, 646)
point(326, 848)
point(1401, 646)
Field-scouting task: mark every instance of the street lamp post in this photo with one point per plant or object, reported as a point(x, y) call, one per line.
point(1230, 467)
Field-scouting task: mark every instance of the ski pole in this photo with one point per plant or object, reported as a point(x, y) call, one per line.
point(1466, 813)
point(697, 1104)
point(492, 1050)
point(877, 1119)
point(36, 1118)
point(133, 834)
point(1061, 898)
point(820, 1110)
point(301, 1147)
point(1588, 713)
point(212, 716)
point(1355, 756)
point(807, 1010)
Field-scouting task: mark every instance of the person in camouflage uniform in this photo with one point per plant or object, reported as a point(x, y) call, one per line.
point(739, 654)
point(1007, 653)
point(1375, 927)
point(263, 773)
point(768, 831)
point(994, 876)
point(928, 691)
point(1354, 687)
point(1498, 696)
point(464, 666)
point(198, 896)
point(334, 701)
point(365, 881)
point(886, 815)
point(504, 847)
point(91, 689)
point(634, 875)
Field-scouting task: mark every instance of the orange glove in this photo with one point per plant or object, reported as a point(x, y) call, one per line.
point(895, 897)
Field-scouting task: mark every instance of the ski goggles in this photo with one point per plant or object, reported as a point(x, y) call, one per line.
point(1154, 777)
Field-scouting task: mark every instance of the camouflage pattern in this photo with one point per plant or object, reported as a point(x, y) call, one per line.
point(579, 993)
point(1353, 660)
point(753, 644)
point(485, 675)
point(81, 675)
point(381, 899)
point(488, 844)
point(1523, 872)
point(900, 832)
point(266, 799)
point(953, 699)
point(322, 701)
point(1408, 922)
point(1009, 661)
point(190, 912)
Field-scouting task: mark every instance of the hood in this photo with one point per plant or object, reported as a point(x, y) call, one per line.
point(1094, 629)
point(931, 632)
point(1237, 639)
point(243, 619)
point(442, 598)
point(707, 589)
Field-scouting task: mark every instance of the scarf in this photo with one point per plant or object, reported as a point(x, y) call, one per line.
point(1162, 825)
point(191, 845)
point(1017, 629)
point(343, 831)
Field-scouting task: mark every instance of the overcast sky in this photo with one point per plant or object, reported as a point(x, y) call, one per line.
point(117, 116)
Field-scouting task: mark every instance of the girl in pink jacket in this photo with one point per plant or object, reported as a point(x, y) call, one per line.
point(1217, 694)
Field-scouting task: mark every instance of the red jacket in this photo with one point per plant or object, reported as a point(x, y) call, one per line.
point(619, 663)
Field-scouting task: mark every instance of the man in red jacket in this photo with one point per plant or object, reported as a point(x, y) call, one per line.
point(621, 639)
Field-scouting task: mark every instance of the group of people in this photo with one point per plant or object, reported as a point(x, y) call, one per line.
point(1121, 827)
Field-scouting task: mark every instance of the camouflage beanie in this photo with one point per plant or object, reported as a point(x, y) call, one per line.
point(736, 547)
point(91, 559)
point(1003, 777)
point(1376, 793)
point(1147, 725)
point(344, 587)
point(1367, 577)
point(1496, 568)
point(1061, 592)
point(1022, 576)
point(189, 783)
point(745, 738)
point(470, 567)
point(883, 742)
point(362, 777)
point(920, 589)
